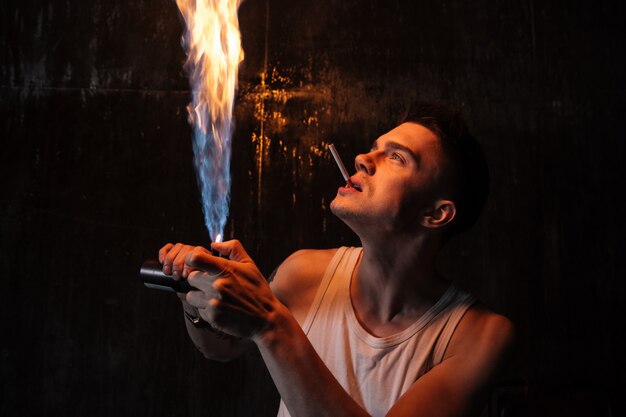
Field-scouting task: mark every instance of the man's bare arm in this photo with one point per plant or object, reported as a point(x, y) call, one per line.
point(305, 384)
point(478, 355)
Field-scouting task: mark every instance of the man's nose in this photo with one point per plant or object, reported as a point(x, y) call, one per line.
point(364, 162)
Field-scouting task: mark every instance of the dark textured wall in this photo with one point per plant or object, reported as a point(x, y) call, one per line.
point(97, 174)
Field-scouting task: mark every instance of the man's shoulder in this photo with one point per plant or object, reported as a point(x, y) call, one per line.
point(309, 258)
point(487, 320)
point(302, 268)
point(482, 329)
point(297, 278)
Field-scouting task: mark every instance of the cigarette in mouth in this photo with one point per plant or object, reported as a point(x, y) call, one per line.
point(340, 164)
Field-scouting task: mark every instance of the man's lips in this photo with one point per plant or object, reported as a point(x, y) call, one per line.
point(356, 184)
point(352, 185)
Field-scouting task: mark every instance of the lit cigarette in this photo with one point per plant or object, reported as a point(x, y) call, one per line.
point(340, 164)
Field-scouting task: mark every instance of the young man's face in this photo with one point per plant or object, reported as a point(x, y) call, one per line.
point(398, 179)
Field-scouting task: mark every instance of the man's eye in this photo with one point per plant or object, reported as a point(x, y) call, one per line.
point(396, 156)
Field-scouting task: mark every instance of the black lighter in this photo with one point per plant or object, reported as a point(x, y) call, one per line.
point(152, 275)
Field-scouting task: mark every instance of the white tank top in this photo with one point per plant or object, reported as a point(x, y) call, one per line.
point(376, 371)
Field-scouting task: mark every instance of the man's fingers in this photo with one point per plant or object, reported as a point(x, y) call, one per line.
point(178, 265)
point(163, 251)
point(169, 258)
point(204, 261)
point(186, 270)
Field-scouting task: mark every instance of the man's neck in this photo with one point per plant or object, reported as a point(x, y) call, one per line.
point(396, 280)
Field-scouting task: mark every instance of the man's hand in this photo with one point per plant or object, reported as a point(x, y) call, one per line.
point(172, 256)
point(233, 295)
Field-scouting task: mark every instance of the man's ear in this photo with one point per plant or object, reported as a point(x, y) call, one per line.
point(439, 215)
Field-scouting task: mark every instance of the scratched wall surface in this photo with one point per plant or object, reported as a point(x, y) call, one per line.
point(97, 175)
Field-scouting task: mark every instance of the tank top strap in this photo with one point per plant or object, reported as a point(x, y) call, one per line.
point(341, 261)
point(463, 302)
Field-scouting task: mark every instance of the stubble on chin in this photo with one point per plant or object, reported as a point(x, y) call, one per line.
point(344, 212)
point(335, 208)
point(339, 209)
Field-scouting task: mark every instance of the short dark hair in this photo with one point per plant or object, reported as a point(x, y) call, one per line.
point(469, 171)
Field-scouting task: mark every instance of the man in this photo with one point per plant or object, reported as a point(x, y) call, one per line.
point(372, 330)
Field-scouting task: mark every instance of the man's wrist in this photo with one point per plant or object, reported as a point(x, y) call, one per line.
point(279, 324)
point(199, 323)
point(195, 320)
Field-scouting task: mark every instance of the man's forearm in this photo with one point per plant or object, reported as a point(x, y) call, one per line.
point(305, 384)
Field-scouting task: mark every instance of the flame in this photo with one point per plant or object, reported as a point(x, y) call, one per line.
point(213, 44)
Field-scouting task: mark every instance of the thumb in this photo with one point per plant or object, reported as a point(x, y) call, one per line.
point(233, 249)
